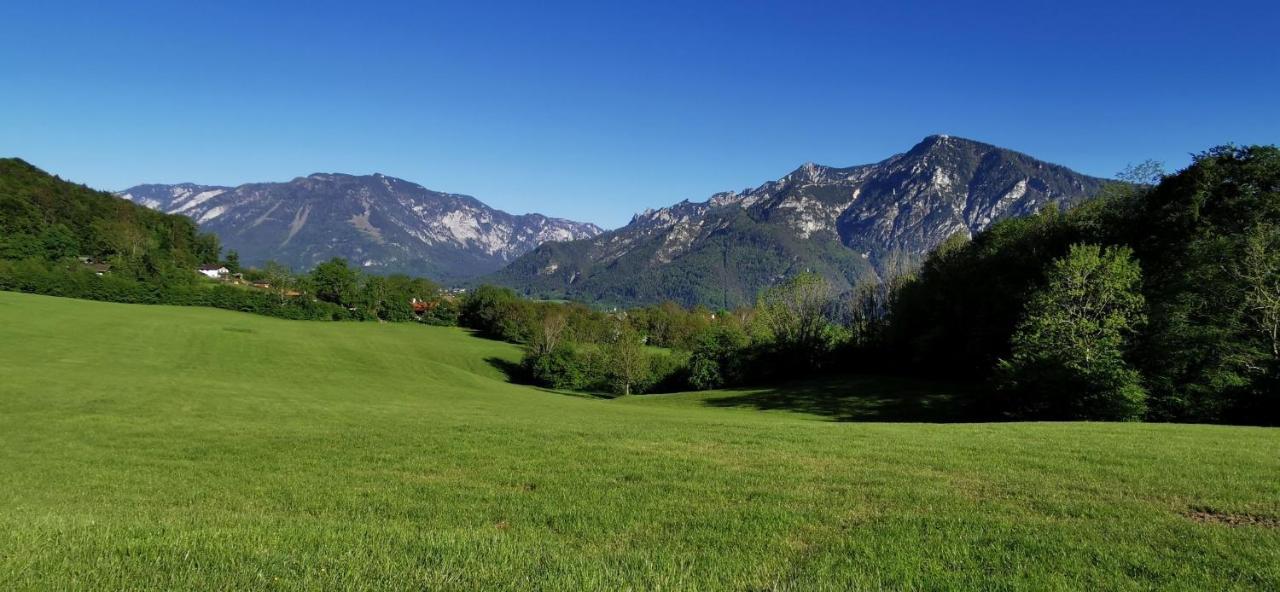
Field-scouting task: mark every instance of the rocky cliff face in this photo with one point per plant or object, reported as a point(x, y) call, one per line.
point(381, 223)
point(841, 222)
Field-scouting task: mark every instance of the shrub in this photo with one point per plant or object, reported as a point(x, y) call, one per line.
point(718, 358)
point(561, 368)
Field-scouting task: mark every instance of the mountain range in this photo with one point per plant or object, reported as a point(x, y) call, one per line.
point(848, 224)
point(381, 223)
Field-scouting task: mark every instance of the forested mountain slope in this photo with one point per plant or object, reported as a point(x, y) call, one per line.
point(45, 217)
point(845, 223)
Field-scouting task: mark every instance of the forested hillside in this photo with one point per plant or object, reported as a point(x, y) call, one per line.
point(43, 216)
point(1168, 294)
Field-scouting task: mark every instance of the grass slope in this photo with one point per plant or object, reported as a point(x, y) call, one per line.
point(180, 448)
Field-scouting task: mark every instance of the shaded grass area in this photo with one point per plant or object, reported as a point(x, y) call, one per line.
point(181, 448)
point(855, 398)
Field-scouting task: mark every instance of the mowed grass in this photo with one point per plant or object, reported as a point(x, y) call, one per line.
point(186, 448)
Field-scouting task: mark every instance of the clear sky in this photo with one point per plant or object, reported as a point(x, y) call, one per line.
point(595, 110)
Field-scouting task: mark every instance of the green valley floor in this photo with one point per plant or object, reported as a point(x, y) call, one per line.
point(146, 447)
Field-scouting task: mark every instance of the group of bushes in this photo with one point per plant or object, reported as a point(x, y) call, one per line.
point(574, 347)
point(662, 348)
point(73, 280)
point(622, 365)
point(364, 297)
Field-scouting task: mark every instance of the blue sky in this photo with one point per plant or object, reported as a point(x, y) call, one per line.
point(595, 110)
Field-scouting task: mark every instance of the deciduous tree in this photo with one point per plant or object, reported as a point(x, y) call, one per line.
point(1068, 352)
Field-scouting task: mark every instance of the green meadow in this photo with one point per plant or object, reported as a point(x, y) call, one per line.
point(152, 447)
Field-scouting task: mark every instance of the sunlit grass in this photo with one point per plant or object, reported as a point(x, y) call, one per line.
point(181, 448)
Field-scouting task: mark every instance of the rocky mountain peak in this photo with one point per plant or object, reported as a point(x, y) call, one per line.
point(382, 223)
point(846, 223)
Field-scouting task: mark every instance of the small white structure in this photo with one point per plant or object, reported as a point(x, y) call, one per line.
point(214, 271)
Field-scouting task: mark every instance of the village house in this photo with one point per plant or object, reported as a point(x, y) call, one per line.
point(421, 307)
point(214, 271)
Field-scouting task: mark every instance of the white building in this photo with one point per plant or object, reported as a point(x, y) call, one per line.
point(215, 271)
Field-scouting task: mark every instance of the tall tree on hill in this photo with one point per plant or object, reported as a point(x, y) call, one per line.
point(1068, 357)
point(495, 312)
point(371, 294)
point(628, 358)
point(59, 242)
point(334, 281)
point(120, 236)
point(549, 332)
point(206, 248)
point(233, 261)
point(719, 358)
point(1203, 355)
point(279, 278)
point(796, 314)
point(1260, 270)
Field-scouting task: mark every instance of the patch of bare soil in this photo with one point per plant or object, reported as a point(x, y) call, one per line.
point(1207, 516)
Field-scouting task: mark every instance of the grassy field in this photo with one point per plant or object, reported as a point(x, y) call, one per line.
point(183, 448)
